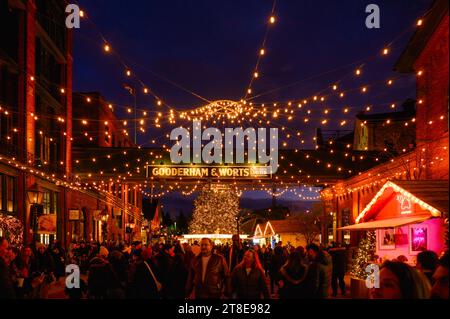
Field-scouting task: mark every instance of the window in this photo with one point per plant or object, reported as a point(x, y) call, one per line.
point(107, 141)
point(44, 239)
point(8, 194)
point(46, 202)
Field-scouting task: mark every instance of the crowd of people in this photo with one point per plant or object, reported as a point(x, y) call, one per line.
point(207, 271)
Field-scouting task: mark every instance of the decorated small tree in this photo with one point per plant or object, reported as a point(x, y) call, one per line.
point(364, 255)
point(215, 212)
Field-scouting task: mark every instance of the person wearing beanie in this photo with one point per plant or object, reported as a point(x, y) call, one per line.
point(102, 279)
point(103, 252)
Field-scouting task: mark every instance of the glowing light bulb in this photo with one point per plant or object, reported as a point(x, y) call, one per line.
point(81, 13)
point(128, 73)
point(272, 20)
point(419, 22)
point(385, 51)
point(262, 52)
point(159, 103)
point(106, 48)
point(358, 72)
point(255, 74)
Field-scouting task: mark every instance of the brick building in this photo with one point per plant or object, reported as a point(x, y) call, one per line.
point(35, 102)
point(40, 196)
point(426, 56)
point(380, 131)
point(116, 214)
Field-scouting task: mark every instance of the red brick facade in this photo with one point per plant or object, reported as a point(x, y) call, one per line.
point(429, 160)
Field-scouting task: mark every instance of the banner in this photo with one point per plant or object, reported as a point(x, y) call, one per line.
point(47, 224)
point(74, 214)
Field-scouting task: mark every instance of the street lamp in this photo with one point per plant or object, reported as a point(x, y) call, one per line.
point(34, 197)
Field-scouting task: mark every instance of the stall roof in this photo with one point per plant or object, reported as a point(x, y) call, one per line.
point(283, 226)
point(432, 192)
point(387, 223)
point(432, 195)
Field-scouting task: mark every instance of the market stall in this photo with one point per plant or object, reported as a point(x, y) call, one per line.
point(408, 217)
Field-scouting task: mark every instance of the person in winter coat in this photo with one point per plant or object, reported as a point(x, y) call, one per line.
point(102, 280)
point(209, 275)
point(42, 272)
point(145, 283)
point(276, 262)
point(178, 275)
point(235, 253)
point(164, 261)
point(59, 257)
point(293, 275)
point(319, 271)
point(339, 261)
point(248, 280)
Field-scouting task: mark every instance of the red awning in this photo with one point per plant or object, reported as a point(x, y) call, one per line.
point(386, 223)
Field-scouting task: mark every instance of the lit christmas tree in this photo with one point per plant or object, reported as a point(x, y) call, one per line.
point(364, 256)
point(215, 212)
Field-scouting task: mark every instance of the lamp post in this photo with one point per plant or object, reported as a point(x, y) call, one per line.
point(34, 197)
point(237, 224)
point(104, 216)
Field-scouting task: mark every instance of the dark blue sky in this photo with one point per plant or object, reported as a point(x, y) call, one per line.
point(210, 47)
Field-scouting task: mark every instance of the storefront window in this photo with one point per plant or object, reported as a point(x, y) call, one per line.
point(46, 202)
point(8, 194)
point(50, 207)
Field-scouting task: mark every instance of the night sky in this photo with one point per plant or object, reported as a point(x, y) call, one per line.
point(210, 47)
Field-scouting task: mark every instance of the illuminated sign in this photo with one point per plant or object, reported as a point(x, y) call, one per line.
point(405, 204)
point(222, 172)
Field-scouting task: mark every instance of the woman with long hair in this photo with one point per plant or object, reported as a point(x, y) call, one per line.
point(293, 275)
point(401, 281)
point(248, 280)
